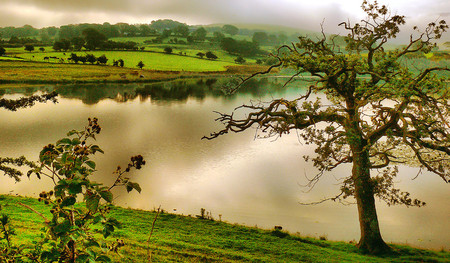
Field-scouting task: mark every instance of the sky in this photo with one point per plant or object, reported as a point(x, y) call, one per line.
point(303, 14)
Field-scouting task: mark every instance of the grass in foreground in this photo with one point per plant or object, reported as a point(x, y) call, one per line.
point(186, 239)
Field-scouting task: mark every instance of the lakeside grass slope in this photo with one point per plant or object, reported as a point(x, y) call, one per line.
point(186, 239)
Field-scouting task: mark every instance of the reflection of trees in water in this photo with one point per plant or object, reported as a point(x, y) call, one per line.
point(92, 94)
point(201, 88)
point(180, 90)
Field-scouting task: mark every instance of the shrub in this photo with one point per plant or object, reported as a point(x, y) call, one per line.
point(168, 50)
point(76, 203)
point(211, 55)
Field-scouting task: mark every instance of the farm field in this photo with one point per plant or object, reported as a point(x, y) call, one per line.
point(40, 72)
point(14, 71)
point(153, 61)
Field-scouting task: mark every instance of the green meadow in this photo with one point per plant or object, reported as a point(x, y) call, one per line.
point(152, 60)
point(178, 238)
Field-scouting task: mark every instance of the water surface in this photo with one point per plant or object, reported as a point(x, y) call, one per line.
point(256, 182)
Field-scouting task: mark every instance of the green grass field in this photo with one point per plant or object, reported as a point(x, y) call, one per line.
point(152, 60)
point(10, 59)
point(179, 238)
point(43, 72)
point(17, 71)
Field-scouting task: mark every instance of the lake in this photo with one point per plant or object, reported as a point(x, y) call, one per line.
point(256, 182)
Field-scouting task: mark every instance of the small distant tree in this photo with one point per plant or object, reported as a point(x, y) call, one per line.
point(102, 60)
point(140, 64)
point(57, 46)
point(168, 50)
point(2, 51)
point(91, 58)
point(62, 44)
point(41, 49)
point(29, 47)
point(199, 34)
point(74, 58)
point(200, 54)
point(259, 61)
point(121, 63)
point(166, 33)
point(240, 60)
point(94, 39)
point(230, 29)
point(14, 40)
point(82, 59)
point(260, 37)
point(218, 36)
point(210, 55)
point(181, 30)
point(240, 47)
point(77, 42)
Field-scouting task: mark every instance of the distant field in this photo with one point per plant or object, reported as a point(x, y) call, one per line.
point(34, 72)
point(9, 58)
point(153, 61)
point(139, 40)
point(18, 50)
point(15, 71)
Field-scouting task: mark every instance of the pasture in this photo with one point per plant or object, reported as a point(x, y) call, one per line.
point(178, 238)
point(152, 60)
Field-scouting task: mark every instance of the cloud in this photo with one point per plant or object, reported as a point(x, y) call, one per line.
point(293, 13)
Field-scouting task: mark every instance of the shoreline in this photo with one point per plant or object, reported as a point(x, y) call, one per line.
point(189, 237)
point(31, 72)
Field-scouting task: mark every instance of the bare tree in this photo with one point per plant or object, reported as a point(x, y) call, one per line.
point(379, 113)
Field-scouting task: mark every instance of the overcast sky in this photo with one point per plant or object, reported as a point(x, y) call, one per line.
point(305, 14)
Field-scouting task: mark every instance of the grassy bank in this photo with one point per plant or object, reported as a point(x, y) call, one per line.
point(188, 239)
point(44, 72)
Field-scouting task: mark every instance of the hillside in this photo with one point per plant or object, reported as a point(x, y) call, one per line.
point(178, 238)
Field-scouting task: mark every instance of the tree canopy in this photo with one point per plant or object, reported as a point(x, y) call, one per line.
point(379, 114)
point(94, 39)
point(230, 29)
point(240, 47)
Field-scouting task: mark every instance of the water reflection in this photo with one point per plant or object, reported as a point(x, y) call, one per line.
point(179, 90)
point(249, 181)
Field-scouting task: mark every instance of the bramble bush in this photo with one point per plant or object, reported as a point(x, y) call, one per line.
point(76, 204)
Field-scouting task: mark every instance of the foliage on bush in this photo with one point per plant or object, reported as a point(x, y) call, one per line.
point(76, 204)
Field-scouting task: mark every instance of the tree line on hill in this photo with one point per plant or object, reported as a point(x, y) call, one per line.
point(95, 36)
point(155, 28)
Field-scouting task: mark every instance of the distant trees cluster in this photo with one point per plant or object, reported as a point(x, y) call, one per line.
point(15, 41)
point(164, 28)
point(240, 47)
point(209, 55)
point(88, 58)
point(118, 63)
point(92, 39)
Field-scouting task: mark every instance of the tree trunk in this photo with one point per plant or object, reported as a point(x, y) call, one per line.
point(371, 241)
